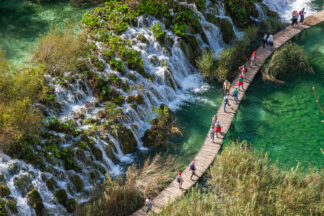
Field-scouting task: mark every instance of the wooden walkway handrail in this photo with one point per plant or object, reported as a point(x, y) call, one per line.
point(209, 150)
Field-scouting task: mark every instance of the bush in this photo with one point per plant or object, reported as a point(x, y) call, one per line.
point(158, 31)
point(19, 89)
point(289, 58)
point(205, 63)
point(241, 182)
point(60, 52)
point(241, 11)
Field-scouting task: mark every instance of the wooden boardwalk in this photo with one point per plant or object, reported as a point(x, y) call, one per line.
point(209, 150)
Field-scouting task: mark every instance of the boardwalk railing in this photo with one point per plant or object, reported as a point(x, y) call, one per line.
point(209, 150)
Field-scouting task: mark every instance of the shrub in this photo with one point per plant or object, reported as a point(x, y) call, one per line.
point(289, 58)
point(241, 182)
point(241, 11)
point(19, 89)
point(60, 52)
point(205, 63)
point(158, 31)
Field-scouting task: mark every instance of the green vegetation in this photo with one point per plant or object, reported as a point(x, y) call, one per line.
point(288, 59)
point(241, 11)
point(122, 196)
point(241, 182)
point(19, 89)
point(205, 63)
point(158, 31)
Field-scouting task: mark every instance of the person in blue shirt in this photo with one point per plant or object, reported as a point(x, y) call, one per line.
point(235, 95)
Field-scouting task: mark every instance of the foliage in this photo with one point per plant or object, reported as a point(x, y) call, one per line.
point(241, 182)
point(241, 11)
point(158, 31)
point(123, 196)
point(19, 89)
point(205, 63)
point(289, 58)
point(61, 52)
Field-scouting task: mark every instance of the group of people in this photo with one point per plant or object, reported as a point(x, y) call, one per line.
point(268, 41)
point(296, 15)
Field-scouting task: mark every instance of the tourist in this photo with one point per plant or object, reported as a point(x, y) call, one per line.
point(302, 15)
point(179, 180)
point(192, 168)
point(148, 204)
point(264, 40)
point(218, 128)
point(212, 133)
point(294, 19)
point(214, 120)
point(226, 87)
point(253, 57)
point(226, 102)
point(240, 82)
point(270, 42)
point(235, 95)
point(243, 69)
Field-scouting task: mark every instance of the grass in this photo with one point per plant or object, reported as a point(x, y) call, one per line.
point(242, 182)
point(123, 196)
point(289, 58)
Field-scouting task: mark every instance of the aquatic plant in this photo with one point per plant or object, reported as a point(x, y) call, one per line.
point(241, 182)
point(289, 58)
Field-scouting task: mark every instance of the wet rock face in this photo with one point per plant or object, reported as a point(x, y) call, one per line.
point(225, 26)
point(34, 199)
point(4, 190)
point(77, 182)
point(23, 183)
point(127, 140)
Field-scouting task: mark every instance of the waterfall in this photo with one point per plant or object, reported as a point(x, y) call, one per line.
point(174, 82)
point(262, 15)
point(285, 7)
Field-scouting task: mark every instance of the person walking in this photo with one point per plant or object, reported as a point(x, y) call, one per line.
point(235, 95)
point(226, 87)
point(180, 180)
point(192, 168)
point(218, 128)
point(243, 69)
point(226, 102)
point(253, 57)
point(148, 204)
point(240, 82)
point(214, 120)
point(270, 42)
point(264, 40)
point(212, 133)
point(294, 19)
point(302, 15)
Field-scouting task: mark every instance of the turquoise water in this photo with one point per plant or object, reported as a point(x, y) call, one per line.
point(282, 120)
point(22, 22)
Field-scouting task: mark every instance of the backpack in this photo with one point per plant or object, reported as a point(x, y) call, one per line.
point(178, 179)
point(234, 93)
point(192, 167)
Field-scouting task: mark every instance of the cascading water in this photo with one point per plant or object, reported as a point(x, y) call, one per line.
point(262, 15)
point(285, 7)
point(174, 79)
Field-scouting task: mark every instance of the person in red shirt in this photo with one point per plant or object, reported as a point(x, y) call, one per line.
point(253, 57)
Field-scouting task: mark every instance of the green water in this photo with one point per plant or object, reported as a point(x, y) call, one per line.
point(282, 120)
point(22, 22)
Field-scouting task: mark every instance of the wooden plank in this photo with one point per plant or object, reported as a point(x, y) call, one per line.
point(209, 150)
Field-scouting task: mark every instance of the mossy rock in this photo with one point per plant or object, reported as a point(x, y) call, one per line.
point(139, 99)
point(11, 205)
point(35, 200)
point(187, 50)
point(70, 205)
point(269, 12)
point(81, 156)
point(13, 168)
point(225, 26)
point(51, 184)
point(97, 153)
point(110, 153)
point(127, 140)
point(130, 99)
point(101, 169)
point(4, 190)
point(23, 183)
point(142, 38)
point(94, 175)
point(77, 182)
point(61, 196)
point(2, 177)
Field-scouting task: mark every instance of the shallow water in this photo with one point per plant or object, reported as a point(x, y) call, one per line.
point(282, 120)
point(22, 22)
